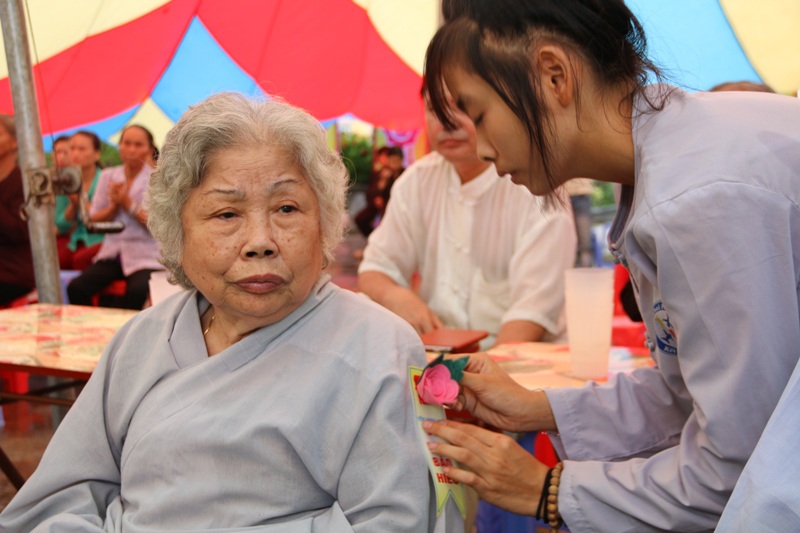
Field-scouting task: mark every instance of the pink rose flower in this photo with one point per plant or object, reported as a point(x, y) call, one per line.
point(436, 387)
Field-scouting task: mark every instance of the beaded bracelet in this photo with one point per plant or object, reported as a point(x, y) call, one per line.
point(541, 509)
point(553, 517)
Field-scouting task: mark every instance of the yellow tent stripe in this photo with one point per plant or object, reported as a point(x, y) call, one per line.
point(151, 117)
point(768, 33)
point(407, 26)
point(60, 24)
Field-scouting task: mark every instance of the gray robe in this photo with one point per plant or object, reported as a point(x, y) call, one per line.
point(711, 235)
point(305, 425)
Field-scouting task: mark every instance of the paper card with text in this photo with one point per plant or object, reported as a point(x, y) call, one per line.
point(445, 486)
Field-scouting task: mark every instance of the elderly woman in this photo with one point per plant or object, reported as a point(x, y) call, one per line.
point(84, 152)
point(265, 398)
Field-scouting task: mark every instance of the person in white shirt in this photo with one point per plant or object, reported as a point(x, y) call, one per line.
point(489, 255)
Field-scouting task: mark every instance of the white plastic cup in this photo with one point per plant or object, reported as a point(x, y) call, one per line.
point(590, 312)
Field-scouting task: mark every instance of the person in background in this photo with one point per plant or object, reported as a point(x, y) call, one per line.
point(264, 398)
point(580, 197)
point(61, 156)
point(85, 149)
point(61, 159)
point(750, 86)
point(488, 257)
point(394, 160)
point(132, 254)
point(387, 168)
point(708, 225)
point(16, 259)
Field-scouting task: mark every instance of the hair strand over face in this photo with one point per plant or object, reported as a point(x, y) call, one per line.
point(496, 41)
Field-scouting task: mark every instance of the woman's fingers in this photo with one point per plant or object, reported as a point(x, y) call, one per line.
point(481, 363)
point(499, 469)
point(477, 448)
point(464, 434)
point(467, 477)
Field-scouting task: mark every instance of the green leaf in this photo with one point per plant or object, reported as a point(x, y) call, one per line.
point(436, 361)
point(456, 367)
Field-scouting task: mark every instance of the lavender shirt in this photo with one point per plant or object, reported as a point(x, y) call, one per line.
point(134, 246)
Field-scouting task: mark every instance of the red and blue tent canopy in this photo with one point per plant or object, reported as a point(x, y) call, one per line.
point(103, 63)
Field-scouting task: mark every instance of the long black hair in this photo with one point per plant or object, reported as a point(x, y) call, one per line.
point(494, 39)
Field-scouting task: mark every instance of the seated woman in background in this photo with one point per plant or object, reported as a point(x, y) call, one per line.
point(60, 159)
point(16, 260)
point(265, 398)
point(387, 169)
point(133, 253)
point(84, 149)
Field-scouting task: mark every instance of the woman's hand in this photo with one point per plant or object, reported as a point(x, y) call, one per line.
point(141, 216)
point(501, 471)
point(118, 193)
point(490, 394)
point(73, 207)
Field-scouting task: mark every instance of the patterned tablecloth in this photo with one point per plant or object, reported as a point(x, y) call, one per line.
point(57, 339)
point(539, 365)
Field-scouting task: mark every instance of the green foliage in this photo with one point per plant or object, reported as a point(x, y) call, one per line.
point(603, 194)
point(109, 156)
point(356, 153)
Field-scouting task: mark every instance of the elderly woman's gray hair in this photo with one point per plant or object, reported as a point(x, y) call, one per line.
point(231, 120)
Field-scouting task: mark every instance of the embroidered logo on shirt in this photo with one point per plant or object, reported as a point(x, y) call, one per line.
point(664, 331)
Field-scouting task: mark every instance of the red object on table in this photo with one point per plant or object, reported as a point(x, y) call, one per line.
point(453, 340)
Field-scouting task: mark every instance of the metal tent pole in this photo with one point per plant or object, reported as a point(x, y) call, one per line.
point(38, 186)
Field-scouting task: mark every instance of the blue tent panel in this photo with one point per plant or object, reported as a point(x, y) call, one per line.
point(103, 129)
point(199, 68)
point(692, 41)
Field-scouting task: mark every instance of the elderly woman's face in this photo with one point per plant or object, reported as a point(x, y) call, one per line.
point(252, 242)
